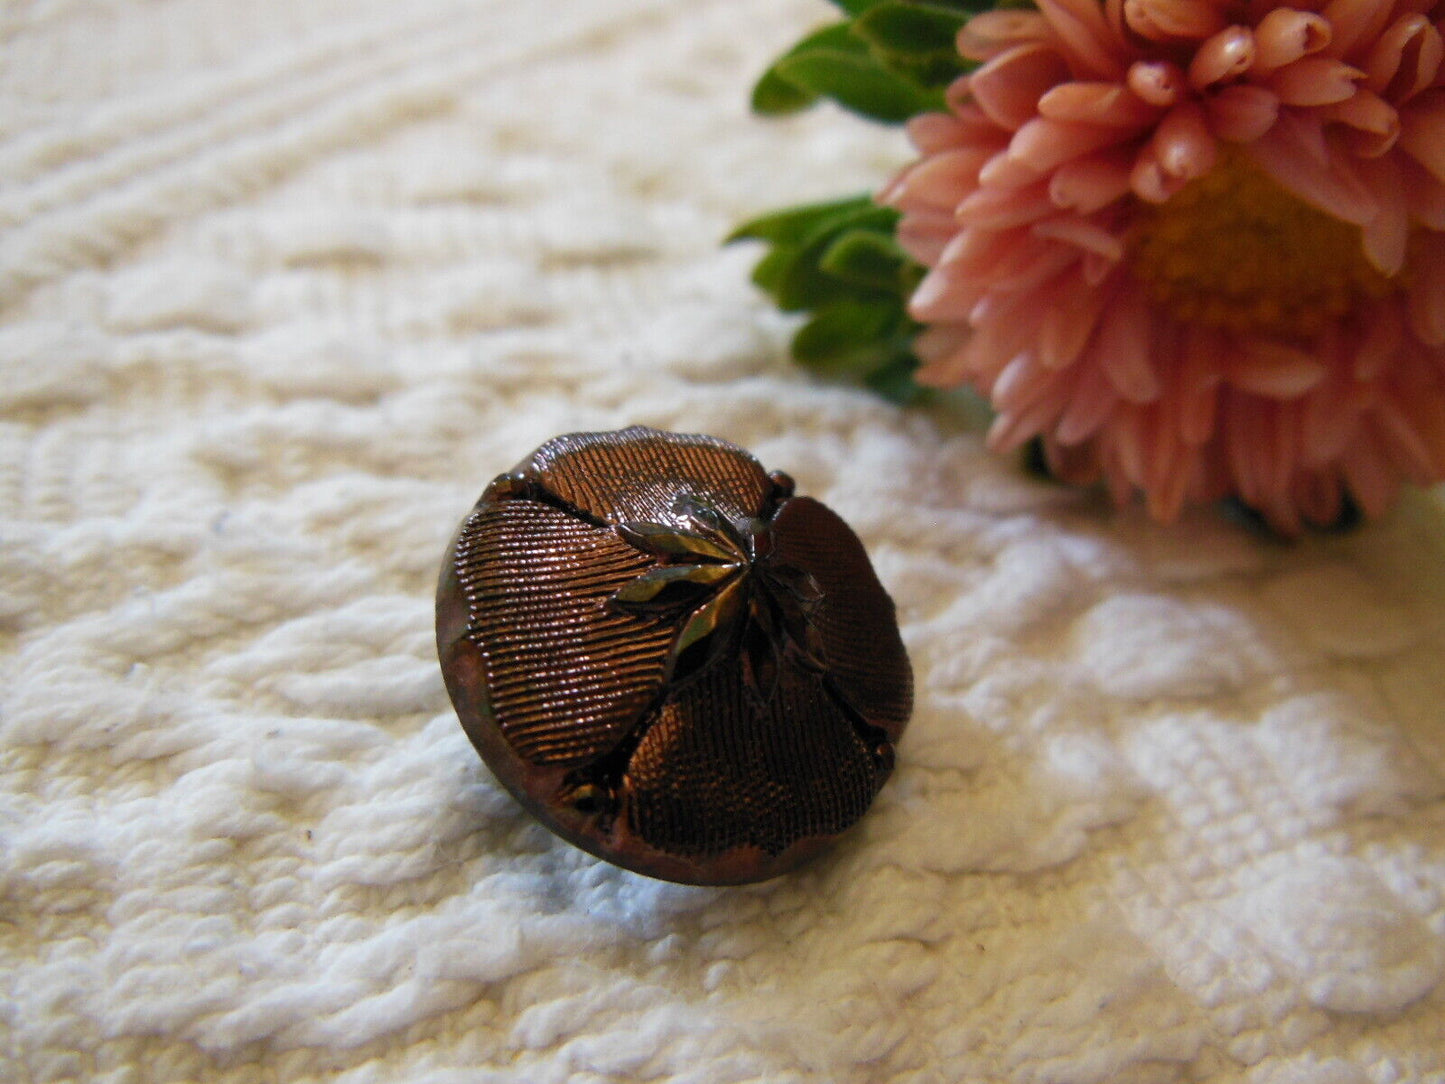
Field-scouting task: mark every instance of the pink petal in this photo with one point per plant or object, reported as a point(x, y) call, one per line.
point(941, 373)
point(977, 252)
point(1329, 420)
point(1111, 463)
point(1114, 17)
point(992, 32)
point(1286, 153)
point(1021, 383)
point(1183, 144)
point(923, 236)
point(1196, 417)
point(942, 297)
point(1401, 443)
point(1069, 321)
point(1202, 356)
point(1092, 401)
point(1044, 144)
point(1368, 475)
point(941, 349)
point(1242, 113)
point(1149, 179)
point(933, 132)
point(995, 344)
point(1422, 132)
point(1126, 442)
point(972, 120)
point(1009, 86)
point(998, 209)
point(1039, 269)
point(1376, 124)
point(1072, 466)
point(1163, 466)
point(1306, 133)
point(1405, 59)
point(1086, 184)
point(1284, 449)
point(940, 340)
point(1245, 435)
point(1158, 82)
point(1315, 80)
point(1385, 236)
point(1160, 20)
point(1318, 498)
point(1384, 335)
point(1123, 346)
point(1226, 55)
point(1004, 171)
point(940, 181)
point(1010, 431)
point(1285, 35)
point(1097, 268)
point(1427, 300)
point(1424, 193)
point(1081, 233)
point(1003, 310)
point(1425, 415)
point(1167, 497)
point(1273, 370)
point(1080, 25)
point(1354, 21)
point(1097, 103)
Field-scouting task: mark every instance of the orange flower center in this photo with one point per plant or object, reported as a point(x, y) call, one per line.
point(1234, 250)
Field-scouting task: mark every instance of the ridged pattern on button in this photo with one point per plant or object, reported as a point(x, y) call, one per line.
point(864, 650)
point(715, 771)
point(567, 675)
point(617, 477)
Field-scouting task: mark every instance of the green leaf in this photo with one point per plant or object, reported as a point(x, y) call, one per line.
point(775, 94)
point(855, 7)
point(804, 286)
point(837, 36)
point(848, 336)
point(936, 73)
point(911, 30)
point(772, 269)
point(895, 382)
point(868, 258)
point(858, 83)
point(791, 274)
point(916, 41)
point(793, 225)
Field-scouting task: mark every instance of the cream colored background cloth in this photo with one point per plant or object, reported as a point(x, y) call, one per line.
point(285, 282)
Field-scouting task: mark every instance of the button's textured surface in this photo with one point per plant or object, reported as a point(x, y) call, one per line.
point(670, 659)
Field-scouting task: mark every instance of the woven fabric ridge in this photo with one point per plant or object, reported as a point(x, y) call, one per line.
point(284, 285)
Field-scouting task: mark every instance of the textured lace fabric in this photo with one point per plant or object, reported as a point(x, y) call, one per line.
point(283, 285)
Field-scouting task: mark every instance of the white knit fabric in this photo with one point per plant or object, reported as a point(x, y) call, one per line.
point(284, 283)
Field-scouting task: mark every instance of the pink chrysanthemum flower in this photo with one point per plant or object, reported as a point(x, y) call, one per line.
point(1197, 246)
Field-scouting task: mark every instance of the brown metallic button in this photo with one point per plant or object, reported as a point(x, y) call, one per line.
point(669, 659)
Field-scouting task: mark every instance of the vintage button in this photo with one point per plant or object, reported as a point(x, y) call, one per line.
point(668, 658)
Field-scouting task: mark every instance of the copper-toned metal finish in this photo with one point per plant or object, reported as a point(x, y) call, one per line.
point(670, 659)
